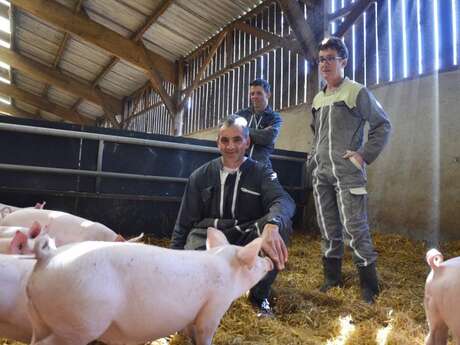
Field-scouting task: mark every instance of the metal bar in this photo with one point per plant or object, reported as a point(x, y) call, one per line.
point(118, 139)
point(100, 157)
point(27, 168)
point(94, 195)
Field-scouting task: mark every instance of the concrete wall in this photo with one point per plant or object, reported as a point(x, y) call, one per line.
point(414, 186)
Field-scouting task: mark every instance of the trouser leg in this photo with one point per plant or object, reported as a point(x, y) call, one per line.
point(353, 212)
point(328, 220)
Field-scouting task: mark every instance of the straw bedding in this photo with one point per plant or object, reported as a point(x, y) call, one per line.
point(304, 316)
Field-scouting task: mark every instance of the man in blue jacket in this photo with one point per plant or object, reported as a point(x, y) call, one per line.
point(264, 123)
point(242, 198)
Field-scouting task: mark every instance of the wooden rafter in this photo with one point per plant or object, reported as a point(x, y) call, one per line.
point(98, 35)
point(228, 28)
point(236, 64)
point(143, 111)
point(359, 7)
point(43, 104)
point(302, 29)
point(53, 77)
point(159, 10)
point(203, 67)
point(270, 37)
point(14, 111)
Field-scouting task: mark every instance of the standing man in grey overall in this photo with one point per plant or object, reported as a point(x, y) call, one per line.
point(338, 163)
point(264, 123)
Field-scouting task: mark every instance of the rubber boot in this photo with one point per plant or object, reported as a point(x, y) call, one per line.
point(332, 274)
point(369, 283)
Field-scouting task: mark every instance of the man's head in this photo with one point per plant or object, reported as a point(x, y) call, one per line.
point(233, 140)
point(259, 93)
point(332, 59)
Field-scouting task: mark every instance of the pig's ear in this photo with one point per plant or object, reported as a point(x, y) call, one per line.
point(248, 254)
point(215, 238)
point(35, 230)
point(18, 243)
point(120, 239)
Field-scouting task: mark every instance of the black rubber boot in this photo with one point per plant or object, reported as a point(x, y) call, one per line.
point(369, 283)
point(332, 273)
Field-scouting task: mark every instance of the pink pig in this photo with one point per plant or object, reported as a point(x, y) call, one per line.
point(124, 293)
point(14, 322)
point(63, 227)
point(442, 300)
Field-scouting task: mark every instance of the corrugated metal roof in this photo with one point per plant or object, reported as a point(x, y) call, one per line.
point(183, 27)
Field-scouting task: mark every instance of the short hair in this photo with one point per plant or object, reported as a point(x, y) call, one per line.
point(261, 82)
point(336, 44)
point(237, 121)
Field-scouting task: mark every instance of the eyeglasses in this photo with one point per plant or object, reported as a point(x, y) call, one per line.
point(323, 59)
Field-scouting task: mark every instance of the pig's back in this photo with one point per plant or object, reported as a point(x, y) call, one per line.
point(64, 227)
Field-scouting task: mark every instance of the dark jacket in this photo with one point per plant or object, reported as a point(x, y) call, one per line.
point(262, 137)
point(260, 198)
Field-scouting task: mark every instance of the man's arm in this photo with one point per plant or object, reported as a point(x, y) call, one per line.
point(379, 125)
point(267, 136)
point(189, 213)
point(280, 208)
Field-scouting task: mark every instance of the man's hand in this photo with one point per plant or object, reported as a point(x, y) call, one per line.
point(356, 156)
point(273, 245)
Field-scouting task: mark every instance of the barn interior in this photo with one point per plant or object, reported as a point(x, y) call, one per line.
point(109, 105)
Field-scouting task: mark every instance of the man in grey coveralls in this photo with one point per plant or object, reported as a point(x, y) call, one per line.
point(338, 165)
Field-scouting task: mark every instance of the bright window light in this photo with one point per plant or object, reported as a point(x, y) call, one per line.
point(390, 43)
point(4, 100)
point(404, 39)
point(454, 31)
point(436, 34)
point(377, 57)
point(5, 25)
point(4, 65)
point(419, 39)
point(4, 80)
point(332, 11)
point(5, 2)
point(5, 44)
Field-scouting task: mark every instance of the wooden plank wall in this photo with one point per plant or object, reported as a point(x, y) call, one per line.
point(228, 93)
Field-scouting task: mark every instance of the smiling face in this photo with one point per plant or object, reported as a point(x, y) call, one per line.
point(259, 98)
point(232, 144)
point(331, 66)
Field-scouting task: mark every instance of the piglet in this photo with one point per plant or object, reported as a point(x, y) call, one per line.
point(63, 227)
point(7, 209)
point(126, 293)
point(442, 298)
point(14, 321)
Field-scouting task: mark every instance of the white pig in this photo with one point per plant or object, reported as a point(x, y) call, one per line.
point(63, 227)
point(14, 322)
point(7, 209)
point(442, 298)
point(123, 293)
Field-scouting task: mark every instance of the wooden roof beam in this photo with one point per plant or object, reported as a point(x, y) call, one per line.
point(302, 29)
point(205, 64)
point(270, 37)
point(61, 81)
point(43, 104)
point(159, 10)
point(79, 25)
point(359, 7)
point(14, 111)
point(236, 64)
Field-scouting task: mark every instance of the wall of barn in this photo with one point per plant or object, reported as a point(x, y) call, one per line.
point(414, 186)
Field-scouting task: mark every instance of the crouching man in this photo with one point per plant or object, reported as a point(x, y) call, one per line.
point(241, 197)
